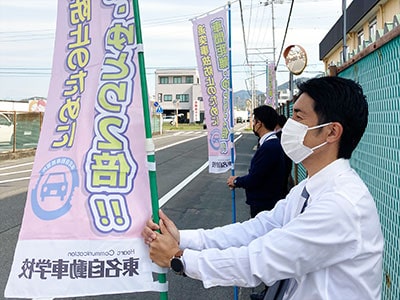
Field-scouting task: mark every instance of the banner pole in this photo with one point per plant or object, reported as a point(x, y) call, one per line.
point(162, 278)
point(231, 112)
point(235, 289)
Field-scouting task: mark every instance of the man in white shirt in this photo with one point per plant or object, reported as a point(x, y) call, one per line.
point(324, 237)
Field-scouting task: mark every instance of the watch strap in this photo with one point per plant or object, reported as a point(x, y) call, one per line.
point(177, 264)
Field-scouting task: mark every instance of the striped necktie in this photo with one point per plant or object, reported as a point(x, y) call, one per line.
point(278, 289)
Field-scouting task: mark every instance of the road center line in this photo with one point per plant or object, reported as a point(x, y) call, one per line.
point(180, 186)
point(185, 182)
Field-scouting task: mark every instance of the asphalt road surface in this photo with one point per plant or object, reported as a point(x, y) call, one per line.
point(204, 201)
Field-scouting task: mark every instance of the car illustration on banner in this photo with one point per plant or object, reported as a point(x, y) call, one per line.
point(51, 197)
point(56, 185)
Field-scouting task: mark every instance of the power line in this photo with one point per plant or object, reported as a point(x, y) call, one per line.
point(287, 26)
point(243, 32)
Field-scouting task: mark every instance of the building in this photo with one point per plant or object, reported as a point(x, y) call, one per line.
point(367, 23)
point(34, 104)
point(284, 95)
point(178, 91)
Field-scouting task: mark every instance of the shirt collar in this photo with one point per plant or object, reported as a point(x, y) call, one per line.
point(265, 137)
point(317, 182)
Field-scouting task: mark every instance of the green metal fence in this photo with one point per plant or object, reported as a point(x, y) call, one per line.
point(19, 130)
point(377, 158)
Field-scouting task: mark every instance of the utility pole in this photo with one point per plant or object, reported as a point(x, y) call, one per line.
point(271, 2)
point(273, 34)
point(274, 54)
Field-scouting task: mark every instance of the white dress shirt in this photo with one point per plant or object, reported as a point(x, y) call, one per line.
point(332, 251)
point(266, 137)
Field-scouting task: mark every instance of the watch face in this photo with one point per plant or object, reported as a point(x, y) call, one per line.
point(177, 265)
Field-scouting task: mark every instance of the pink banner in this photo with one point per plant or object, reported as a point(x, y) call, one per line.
point(211, 36)
point(89, 194)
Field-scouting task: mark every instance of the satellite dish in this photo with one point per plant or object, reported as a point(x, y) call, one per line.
point(295, 59)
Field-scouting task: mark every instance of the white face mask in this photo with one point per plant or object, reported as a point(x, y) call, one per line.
point(292, 139)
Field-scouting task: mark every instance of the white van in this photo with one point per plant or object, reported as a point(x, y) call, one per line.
point(6, 129)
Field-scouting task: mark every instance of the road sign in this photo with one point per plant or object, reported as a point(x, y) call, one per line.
point(155, 104)
point(159, 109)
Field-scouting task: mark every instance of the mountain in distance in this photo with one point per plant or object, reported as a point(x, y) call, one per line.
point(240, 97)
point(285, 86)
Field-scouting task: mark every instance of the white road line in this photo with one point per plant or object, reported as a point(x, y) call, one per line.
point(180, 186)
point(235, 140)
point(180, 142)
point(160, 137)
point(16, 172)
point(16, 166)
point(13, 180)
point(185, 182)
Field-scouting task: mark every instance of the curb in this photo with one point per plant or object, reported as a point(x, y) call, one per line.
point(17, 154)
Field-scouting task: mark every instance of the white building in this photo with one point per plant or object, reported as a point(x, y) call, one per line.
point(179, 91)
point(284, 95)
point(34, 104)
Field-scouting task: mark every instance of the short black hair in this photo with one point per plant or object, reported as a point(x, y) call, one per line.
point(340, 100)
point(266, 115)
point(282, 120)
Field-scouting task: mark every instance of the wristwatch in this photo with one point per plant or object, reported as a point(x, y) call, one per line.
point(235, 181)
point(177, 264)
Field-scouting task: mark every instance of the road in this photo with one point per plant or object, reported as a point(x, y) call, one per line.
point(191, 196)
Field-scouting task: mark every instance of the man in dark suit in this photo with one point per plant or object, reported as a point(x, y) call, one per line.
point(264, 183)
point(288, 162)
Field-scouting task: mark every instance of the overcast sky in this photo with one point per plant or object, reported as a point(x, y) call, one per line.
point(27, 31)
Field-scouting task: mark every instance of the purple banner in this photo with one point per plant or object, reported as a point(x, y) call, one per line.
point(271, 89)
point(211, 44)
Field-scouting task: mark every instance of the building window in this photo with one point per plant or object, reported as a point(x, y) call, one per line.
point(164, 80)
point(167, 98)
point(372, 29)
point(177, 79)
point(188, 79)
point(182, 97)
point(360, 37)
